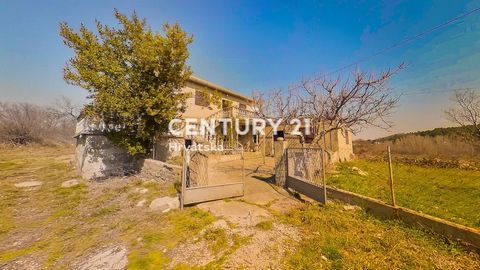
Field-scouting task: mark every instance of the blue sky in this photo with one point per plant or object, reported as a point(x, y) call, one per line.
point(262, 45)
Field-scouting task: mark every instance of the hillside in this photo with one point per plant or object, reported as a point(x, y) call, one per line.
point(439, 147)
point(446, 131)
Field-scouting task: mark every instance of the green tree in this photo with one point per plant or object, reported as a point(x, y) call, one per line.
point(134, 77)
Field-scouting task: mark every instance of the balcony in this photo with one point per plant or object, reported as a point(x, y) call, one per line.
point(235, 112)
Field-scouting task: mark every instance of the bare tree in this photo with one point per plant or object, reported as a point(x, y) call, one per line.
point(351, 103)
point(65, 108)
point(278, 104)
point(466, 113)
point(365, 100)
point(332, 104)
point(24, 123)
point(348, 103)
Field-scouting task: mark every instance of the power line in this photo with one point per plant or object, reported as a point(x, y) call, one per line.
point(414, 93)
point(406, 41)
point(429, 92)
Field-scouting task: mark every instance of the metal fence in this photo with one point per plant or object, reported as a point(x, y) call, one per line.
point(305, 172)
point(212, 176)
point(197, 169)
point(306, 164)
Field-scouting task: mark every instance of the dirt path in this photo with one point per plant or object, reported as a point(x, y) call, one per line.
point(247, 228)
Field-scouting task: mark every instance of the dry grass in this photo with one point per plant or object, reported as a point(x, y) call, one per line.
point(54, 228)
point(446, 147)
point(339, 239)
point(449, 193)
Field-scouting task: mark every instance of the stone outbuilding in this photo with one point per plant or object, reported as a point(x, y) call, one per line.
point(96, 157)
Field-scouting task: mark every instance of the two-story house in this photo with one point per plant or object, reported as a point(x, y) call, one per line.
point(230, 105)
point(96, 157)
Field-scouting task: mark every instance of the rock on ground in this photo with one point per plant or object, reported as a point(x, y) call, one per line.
point(70, 183)
point(359, 171)
point(262, 249)
point(141, 203)
point(141, 190)
point(165, 204)
point(109, 258)
point(159, 170)
point(349, 207)
point(28, 184)
point(240, 213)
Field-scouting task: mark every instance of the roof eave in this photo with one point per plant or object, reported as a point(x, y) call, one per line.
point(217, 87)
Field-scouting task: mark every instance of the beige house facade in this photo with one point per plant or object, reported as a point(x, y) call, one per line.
point(229, 104)
point(234, 105)
point(96, 157)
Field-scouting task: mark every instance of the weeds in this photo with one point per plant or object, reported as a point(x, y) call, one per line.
point(265, 225)
point(448, 193)
point(150, 260)
point(217, 239)
point(337, 239)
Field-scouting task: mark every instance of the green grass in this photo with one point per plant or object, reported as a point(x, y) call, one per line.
point(339, 239)
point(448, 193)
point(58, 226)
point(217, 239)
point(151, 260)
point(265, 225)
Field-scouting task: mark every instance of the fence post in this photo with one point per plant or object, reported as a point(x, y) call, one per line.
point(390, 170)
point(264, 147)
point(154, 147)
point(324, 178)
point(280, 148)
point(184, 178)
point(243, 170)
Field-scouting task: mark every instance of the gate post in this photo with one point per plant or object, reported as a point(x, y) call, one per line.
point(280, 161)
point(184, 178)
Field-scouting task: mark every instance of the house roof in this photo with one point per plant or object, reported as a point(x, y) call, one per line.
point(217, 87)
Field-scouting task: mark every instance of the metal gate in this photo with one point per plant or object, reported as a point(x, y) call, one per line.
point(208, 176)
point(305, 172)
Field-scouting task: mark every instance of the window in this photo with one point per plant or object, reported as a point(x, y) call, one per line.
point(308, 138)
point(347, 136)
point(279, 134)
point(242, 106)
point(200, 99)
point(226, 104)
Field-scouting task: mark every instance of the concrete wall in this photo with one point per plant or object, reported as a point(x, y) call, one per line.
point(464, 234)
point(468, 236)
point(343, 144)
point(97, 158)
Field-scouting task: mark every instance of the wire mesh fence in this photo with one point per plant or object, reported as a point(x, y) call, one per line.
point(306, 164)
point(414, 182)
point(210, 168)
point(197, 169)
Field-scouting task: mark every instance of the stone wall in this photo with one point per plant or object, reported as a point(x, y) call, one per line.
point(163, 150)
point(97, 158)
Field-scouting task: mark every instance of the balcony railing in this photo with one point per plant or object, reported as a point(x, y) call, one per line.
point(235, 112)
